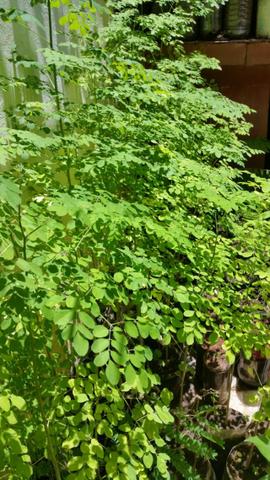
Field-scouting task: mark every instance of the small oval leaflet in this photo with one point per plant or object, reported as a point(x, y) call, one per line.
point(80, 345)
point(148, 460)
point(112, 373)
point(118, 277)
point(100, 331)
point(131, 329)
point(100, 345)
point(4, 403)
point(102, 358)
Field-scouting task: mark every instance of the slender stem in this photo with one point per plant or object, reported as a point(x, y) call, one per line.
point(54, 68)
point(57, 95)
point(185, 354)
point(251, 451)
point(24, 238)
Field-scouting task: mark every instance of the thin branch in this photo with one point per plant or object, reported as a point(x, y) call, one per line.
point(23, 233)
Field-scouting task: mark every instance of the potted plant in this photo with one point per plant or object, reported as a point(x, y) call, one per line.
point(254, 372)
point(244, 463)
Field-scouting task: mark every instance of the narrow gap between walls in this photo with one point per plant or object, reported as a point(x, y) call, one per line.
point(267, 155)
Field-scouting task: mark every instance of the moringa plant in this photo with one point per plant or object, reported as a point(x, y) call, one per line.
point(130, 229)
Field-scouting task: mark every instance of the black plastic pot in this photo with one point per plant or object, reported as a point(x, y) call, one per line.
point(238, 18)
point(212, 24)
point(203, 467)
point(252, 457)
point(232, 429)
point(254, 372)
point(210, 475)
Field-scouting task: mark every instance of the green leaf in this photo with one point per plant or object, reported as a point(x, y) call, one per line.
point(112, 373)
point(80, 345)
point(22, 469)
point(118, 277)
point(102, 358)
point(262, 443)
point(72, 302)
point(120, 343)
point(230, 357)
point(130, 375)
point(96, 448)
point(81, 397)
point(131, 329)
point(18, 402)
point(87, 320)
point(23, 265)
point(164, 414)
point(68, 332)
point(4, 403)
point(95, 310)
point(63, 317)
point(98, 292)
point(190, 339)
point(5, 324)
point(148, 460)
point(100, 345)
point(131, 472)
point(100, 331)
point(10, 192)
point(143, 379)
point(84, 331)
point(120, 358)
point(75, 463)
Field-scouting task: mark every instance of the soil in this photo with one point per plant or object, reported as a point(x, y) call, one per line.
point(235, 421)
point(239, 466)
point(257, 428)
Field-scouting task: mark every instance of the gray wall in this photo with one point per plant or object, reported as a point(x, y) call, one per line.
point(28, 38)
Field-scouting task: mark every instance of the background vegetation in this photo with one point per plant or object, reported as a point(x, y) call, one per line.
point(131, 234)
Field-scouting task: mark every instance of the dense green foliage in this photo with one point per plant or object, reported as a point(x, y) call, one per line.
point(129, 231)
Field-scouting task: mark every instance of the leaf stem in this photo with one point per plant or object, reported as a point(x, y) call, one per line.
point(185, 354)
point(24, 238)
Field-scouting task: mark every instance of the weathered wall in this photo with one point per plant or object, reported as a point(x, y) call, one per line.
point(28, 39)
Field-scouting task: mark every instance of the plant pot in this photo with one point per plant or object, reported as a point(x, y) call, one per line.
point(206, 470)
point(254, 372)
point(217, 371)
point(232, 429)
point(211, 25)
point(263, 19)
point(232, 424)
point(244, 463)
point(238, 16)
point(203, 467)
